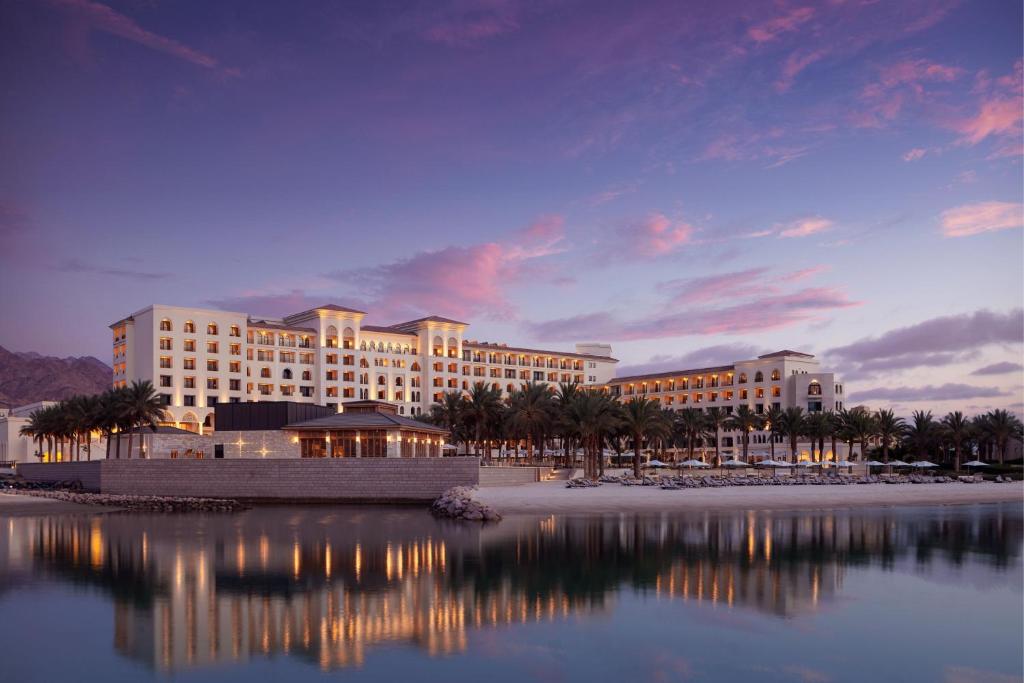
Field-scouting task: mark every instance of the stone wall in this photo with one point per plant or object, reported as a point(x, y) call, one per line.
point(160, 444)
point(280, 480)
point(268, 443)
point(510, 476)
point(86, 473)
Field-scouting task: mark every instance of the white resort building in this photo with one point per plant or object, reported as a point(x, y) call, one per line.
point(197, 358)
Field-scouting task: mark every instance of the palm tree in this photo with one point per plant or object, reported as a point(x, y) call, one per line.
point(530, 411)
point(142, 408)
point(791, 424)
point(1002, 425)
point(593, 417)
point(564, 396)
point(482, 407)
point(861, 424)
point(888, 428)
point(957, 429)
point(449, 413)
point(817, 426)
point(35, 428)
point(771, 421)
point(920, 435)
point(692, 424)
point(715, 418)
point(745, 420)
point(641, 417)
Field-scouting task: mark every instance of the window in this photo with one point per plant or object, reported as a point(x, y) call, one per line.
point(165, 344)
point(759, 392)
point(190, 382)
point(235, 349)
point(743, 378)
point(188, 400)
point(286, 374)
point(234, 331)
point(307, 392)
point(286, 356)
point(211, 401)
point(190, 345)
point(165, 399)
point(332, 358)
point(189, 364)
point(211, 328)
point(212, 347)
point(235, 384)
point(743, 394)
point(265, 373)
point(212, 365)
point(165, 381)
point(307, 376)
point(332, 375)
point(776, 375)
point(190, 327)
point(165, 361)
point(235, 366)
point(814, 389)
point(165, 325)
point(758, 376)
point(211, 383)
point(776, 392)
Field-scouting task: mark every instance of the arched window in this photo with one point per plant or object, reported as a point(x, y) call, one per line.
point(331, 337)
point(235, 332)
point(381, 379)
point(190, 327)
point(348, 338)
point(415, 367)
point(814, 388)
point(362, 345)
point(307, 376)
point(759, 376)
point(398, 381)
point(286, 374)
point(165, 325)
point(743, 378)
point(211, 328)
point(776, 375)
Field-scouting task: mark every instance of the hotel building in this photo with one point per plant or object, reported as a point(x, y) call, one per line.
point(196, 358)
point(784, 379)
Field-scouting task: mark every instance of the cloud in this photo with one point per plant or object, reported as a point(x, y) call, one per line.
point(1002, 368)
point(709, 356)
point(794, 65)
point(711, 288)
point(944, 392)
point(469, 25)
point(74, 265)
point(898, 85)
point(771, 29)
point(980, 217)
point(657, 235)
point(458, 281)
point(99, 17)
point(806, 227)
point(759, 314)
point(925, 343)
point(914, 154)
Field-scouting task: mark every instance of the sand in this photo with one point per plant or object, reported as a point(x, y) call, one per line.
point(553, 497)
point(16, 505)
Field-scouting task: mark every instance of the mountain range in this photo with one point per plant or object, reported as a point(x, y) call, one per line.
point(26, 377)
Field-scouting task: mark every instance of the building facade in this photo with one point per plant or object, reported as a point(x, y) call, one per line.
point(784, 379)
point(197, 358)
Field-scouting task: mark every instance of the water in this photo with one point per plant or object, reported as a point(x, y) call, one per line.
point(384, 594)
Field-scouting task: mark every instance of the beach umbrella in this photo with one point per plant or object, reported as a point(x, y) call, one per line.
point(975, 463)
point(844, 463)
point(898, 463)
point(735, 463)
point(875, 463)
point(657, 463)
point(923, 464)
point(808, 463)
point(693, 463)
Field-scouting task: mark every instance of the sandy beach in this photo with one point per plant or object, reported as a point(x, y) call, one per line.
point(15, 505)
point(553, 497)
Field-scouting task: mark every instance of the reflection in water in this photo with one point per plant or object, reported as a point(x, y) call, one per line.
point(327, 584)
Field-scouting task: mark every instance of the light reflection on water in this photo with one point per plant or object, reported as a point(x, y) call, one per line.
point(327, 587)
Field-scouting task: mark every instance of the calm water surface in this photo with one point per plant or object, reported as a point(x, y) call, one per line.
point(383, 594)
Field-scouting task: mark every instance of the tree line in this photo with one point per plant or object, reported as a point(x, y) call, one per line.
point(583, 419)
point(73, 421)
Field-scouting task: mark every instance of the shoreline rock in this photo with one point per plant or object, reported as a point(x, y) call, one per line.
point(458, 503)
point(141, 503)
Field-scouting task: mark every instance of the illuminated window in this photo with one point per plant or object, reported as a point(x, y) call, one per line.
point(211, 328)
point(165, 325)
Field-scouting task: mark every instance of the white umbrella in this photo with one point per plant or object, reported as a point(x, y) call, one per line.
point(898, 463)
point(657, 463)
point(808, 463)
point(735, 463)
point(875, 463)
point(773, 463)
point(449, 447)
point(845, 463)
point(975, 463)
point(922, 464)
point(693, 463)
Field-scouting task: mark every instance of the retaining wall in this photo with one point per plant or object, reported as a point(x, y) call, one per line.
point(280, 480)
point(511, 476)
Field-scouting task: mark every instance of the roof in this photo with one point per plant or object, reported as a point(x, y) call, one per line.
point(384, 329)
point(160, 429)
point(430, 319)
point(365, 420)
point(671, 374)
point(786, 352)
point(279, 326)
point(311, 313)
point(501, 347)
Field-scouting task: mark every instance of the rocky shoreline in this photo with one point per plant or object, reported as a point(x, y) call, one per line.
point(707, 481)
point(458, 503)
point(141, 503)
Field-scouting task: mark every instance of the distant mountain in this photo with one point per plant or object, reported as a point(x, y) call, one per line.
point(28, 377)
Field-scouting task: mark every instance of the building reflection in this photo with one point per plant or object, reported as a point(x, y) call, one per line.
point(329, 585)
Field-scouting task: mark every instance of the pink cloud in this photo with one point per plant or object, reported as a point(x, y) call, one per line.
point(468, 24)
point(794, 65)
point(769, 30)
point(914, 154)
point(99, 17)
point(805, 227)
point(703, 290)
point(459, 281)
point(997, 116)
point(980, 217)
point(657, 235)
point(898, 85)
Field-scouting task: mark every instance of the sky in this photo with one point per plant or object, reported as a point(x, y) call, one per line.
point(693, 183)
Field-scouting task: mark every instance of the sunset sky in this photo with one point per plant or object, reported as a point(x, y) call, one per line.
point(691, 184)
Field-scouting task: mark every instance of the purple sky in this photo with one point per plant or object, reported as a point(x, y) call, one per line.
point(689, 184)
